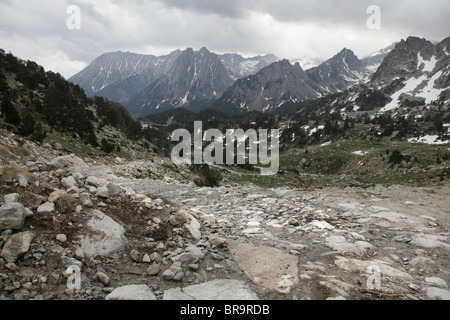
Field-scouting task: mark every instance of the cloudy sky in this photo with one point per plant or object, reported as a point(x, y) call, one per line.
point(38, 30)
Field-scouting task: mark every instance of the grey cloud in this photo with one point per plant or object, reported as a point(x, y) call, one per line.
point(229, 8)
point(245, 26)
point(412, 14)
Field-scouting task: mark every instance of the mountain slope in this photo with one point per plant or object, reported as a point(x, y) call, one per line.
point(240, 67)
point(416, 70)
point(120, 76)
point(194, 77)
point(408, 99)
point(346, 70)
point(45, 107)
point(269, 89)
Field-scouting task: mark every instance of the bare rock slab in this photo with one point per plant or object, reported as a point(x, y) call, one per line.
point(223, 290)
point(267, 266)
point(102, 236)
point(132, 292)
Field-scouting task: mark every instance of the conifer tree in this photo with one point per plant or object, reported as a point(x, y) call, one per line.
point(9, 111)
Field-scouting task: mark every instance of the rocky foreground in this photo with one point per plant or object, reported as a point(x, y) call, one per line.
point(76, 228)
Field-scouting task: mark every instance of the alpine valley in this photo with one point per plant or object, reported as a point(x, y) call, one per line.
point(92, 207)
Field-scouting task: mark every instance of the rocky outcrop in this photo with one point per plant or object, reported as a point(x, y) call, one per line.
point(267, 266)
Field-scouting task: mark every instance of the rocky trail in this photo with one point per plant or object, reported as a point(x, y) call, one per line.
point(82, 229)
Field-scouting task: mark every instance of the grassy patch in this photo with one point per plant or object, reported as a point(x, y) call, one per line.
point(338, 164)
point(20, 152)
point(5, 151)
point(71, 145)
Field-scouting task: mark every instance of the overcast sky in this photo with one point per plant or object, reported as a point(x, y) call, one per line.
point(37, 30)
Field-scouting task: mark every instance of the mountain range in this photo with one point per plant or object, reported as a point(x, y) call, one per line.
point(196, 80)
point(411, 86)
point(147, 84)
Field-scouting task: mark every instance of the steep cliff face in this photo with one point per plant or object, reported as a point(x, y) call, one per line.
point(194, 77)
point(120, 76)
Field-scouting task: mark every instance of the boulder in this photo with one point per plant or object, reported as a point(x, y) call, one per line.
point(95, 182)
point(16, 246)
point(113, 189)
point(69, 182)
point(103, 192)
point(31, 200)
point(67, 161)
point(12, 216)
point(102, 236)
point(58, 163)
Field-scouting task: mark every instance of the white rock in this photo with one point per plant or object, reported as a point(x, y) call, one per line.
point(437, 282)
point(321, 225)
point(61, 238)
point(103, 192)
point(12, 216)
point(69, 182)
point(429, 241)
point(95, 182)
point(437, 293)
point(132, 292)
point(58, 163)
point(194, 227)
point(47, 207)
point(12, 197)
point(23, 180)
point(216, 290)
point(103, 236)
point(354, 265)
point(340, 244)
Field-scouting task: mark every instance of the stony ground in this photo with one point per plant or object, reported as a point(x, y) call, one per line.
point(65, 219)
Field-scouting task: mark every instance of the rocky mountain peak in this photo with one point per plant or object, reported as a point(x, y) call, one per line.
point(275, 85)
point(410, 58)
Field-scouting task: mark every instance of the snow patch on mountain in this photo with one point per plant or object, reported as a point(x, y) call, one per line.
point(430, 93)
point(409, 87)
point(429, 65)
point(429, 139)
